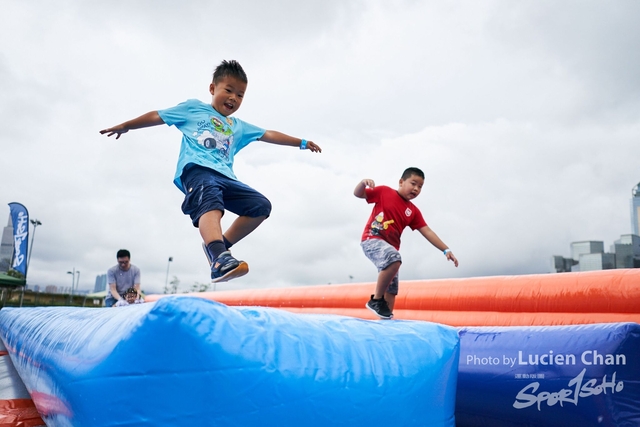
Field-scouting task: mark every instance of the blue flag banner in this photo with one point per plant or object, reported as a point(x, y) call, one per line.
point(20, 220)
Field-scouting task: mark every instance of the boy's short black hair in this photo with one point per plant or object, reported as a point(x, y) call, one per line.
point(412, 171)
point(123, 253)
point(229, 69)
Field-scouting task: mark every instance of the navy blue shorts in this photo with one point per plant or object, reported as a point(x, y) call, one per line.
point(207, 190)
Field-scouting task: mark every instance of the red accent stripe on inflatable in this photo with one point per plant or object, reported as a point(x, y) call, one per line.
point(49, 405)
point(19, 413)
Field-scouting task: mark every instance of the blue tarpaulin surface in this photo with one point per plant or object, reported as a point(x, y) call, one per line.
point(189, 361)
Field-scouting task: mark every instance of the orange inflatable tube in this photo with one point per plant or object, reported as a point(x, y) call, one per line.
point(607, 296)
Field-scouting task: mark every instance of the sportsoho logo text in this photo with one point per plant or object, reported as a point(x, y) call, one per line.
point(577, 389)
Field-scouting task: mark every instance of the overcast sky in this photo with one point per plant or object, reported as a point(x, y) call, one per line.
point(524, 116)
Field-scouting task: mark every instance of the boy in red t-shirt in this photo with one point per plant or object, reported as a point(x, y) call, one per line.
point(392, 212)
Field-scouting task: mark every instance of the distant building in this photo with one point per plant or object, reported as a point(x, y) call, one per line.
point(6, 247)
point(585, 248)
point(590, 255)
point(627, 250)
point(560, 264)
point(635, 210)
point(101, 283)
point(597, 261)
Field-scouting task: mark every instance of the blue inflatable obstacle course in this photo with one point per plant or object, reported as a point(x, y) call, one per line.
point(551, 376)
point(184, 361)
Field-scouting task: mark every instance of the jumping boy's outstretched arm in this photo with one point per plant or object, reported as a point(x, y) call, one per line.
point(152, 118)
point(362, 185)
point(433, 238)
point(275, 137)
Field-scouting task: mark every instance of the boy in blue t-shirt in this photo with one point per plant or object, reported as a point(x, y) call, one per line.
point(210, 140)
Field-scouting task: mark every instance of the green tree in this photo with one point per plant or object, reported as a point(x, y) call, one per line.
point(172, 286)
point(200, 287)
point(15, 273)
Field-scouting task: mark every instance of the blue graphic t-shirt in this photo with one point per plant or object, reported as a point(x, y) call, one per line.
point(209, 139)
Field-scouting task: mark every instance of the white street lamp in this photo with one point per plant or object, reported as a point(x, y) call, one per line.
point(73, 278)
point(166, 280)
point(35, 224)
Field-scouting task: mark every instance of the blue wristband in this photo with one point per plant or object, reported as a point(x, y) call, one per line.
point(446, 251)
point(303, 144)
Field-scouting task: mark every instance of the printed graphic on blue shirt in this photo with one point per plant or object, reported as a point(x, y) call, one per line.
point(214, 134)
point(209, 139)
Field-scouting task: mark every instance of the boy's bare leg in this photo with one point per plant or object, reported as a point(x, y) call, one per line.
point(384, 278)
point(390, 299)
point(210, 230)
point(209, 226)
point(241, 227)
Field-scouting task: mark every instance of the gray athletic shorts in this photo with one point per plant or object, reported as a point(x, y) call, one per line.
point(382, 255)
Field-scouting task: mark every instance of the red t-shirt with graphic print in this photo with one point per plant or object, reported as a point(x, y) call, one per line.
point(391, 214)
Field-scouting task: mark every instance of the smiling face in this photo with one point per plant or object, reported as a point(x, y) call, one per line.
point(411, 187)
point(131, 297)
point(227, 95)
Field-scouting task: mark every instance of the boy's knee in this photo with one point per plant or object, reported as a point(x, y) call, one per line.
point(393, 266)
point(262, 208)
point(267, 207)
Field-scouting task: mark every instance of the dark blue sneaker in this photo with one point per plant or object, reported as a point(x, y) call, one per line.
point(226, 267)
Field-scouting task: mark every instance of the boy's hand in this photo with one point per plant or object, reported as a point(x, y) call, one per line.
point(116, 130)
point(152, 118)
point(362, 185)
point(368, 183)
point(279, 138)
point(315, 148)
point(451, 257)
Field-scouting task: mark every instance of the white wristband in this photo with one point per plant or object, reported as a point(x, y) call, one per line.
point(446, 251)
